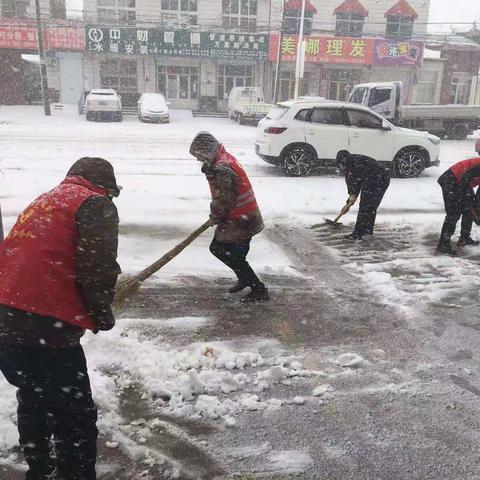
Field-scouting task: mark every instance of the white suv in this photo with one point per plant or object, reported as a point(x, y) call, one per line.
point(103, 103)
point(300, 136)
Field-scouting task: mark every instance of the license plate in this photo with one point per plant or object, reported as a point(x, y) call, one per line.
point(102, 103)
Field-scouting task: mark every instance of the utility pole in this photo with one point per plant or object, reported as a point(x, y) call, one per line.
point(279, 56)
point(300, 53)
point(43, 63)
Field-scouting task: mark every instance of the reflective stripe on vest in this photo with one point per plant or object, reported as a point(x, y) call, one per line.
point(37, 259)
point(246, 203)
point(461, 168)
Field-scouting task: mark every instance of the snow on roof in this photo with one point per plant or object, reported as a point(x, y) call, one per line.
point(402, 9)
point(297, 5)
point(351, 6)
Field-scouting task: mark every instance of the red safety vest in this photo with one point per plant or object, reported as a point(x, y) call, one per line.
point(37, 259)
point(246, 202)
point(461, 168)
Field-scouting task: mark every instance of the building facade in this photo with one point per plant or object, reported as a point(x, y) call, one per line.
point(196, 51)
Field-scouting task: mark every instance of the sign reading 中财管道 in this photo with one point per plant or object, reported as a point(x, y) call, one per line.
point(140, 41)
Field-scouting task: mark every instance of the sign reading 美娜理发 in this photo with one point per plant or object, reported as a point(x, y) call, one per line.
point(141, 41)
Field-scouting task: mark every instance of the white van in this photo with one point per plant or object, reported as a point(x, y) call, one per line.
point(247, 105)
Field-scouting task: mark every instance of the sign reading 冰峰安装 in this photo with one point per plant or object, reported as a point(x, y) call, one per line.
point(139, 41)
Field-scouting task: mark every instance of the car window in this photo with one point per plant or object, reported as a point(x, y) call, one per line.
point(358, 95)
point(277, 113)
point(379, 95)
point(364, 119)
point(302, 114)
point(327, 116)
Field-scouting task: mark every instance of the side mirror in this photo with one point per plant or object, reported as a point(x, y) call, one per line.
point(386, 127)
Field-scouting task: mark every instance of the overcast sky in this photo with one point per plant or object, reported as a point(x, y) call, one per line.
point(452, 11)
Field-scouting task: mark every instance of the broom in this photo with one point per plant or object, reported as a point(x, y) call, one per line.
point(130, 286)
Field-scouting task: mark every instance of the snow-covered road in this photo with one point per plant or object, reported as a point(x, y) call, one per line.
point(212, 360)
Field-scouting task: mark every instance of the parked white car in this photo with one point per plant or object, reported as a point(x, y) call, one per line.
point(103, 103)
point(301, 136)
point(247, 105)
point(152, 107)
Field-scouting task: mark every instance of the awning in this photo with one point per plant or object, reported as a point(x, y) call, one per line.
point(402, 9)
point(297, 5)
point(351, 6)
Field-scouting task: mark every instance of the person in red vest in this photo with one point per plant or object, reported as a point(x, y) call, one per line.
point(458, 184)
point(58, 272)
point(234, 210)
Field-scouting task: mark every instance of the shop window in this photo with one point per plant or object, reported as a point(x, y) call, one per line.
point(349, 24)
point(121, 75)
point(286, 89)
point(229, 76)
point(338, 84)
point(14, 8)
point(183, 11)
point(116, 11)
point(460, 88)
point(240, 14)
point(399, 27)
point(177, 83)
point(361, 119)
point(426, 88)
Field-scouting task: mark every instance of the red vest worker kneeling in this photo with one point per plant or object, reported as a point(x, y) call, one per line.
point(234, 210)
point(58, 272)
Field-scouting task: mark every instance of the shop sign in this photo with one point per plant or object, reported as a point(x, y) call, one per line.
point(138, 41)
point(23, 36)
point(344, 50)
point(398, 53)
point(18, 36)
point(65, 38)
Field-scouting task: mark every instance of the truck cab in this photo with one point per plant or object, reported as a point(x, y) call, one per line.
point(247, 105)
point(383, 98)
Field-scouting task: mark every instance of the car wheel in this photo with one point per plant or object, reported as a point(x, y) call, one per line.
point(459, 131)
point(409, 163)
point(119, 117)
point(297, 161)
point(89, 117)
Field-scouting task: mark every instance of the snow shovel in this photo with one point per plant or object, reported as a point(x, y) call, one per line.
point(130, 286)
point(333, 223)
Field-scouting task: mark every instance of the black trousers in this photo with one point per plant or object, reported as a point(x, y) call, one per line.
point(55, 409)
point(372, 194)
point(234, 256)
point(457, 206)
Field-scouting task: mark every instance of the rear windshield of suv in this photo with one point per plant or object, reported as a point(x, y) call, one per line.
point(277, 113)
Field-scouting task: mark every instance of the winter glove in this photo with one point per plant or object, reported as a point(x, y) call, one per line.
point(103, 319)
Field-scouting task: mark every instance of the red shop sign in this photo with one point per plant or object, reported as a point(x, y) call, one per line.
point(343, 50)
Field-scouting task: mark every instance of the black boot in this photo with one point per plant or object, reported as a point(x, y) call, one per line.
point(467, 241)
point(445, 247)
point(258, 294)
point(354, 236)
point(238, 287)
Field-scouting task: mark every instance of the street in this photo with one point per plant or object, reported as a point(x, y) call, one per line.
point(363, 365)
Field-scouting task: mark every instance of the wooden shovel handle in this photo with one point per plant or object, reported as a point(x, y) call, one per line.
point(154, 267)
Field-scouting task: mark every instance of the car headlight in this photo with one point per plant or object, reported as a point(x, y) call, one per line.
point(435, 140)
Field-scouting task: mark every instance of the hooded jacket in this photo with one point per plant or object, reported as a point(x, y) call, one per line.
point(234, 207)
point(66, 241)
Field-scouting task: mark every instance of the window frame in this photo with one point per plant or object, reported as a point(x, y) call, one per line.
point(190, 74)
point(171, 12)
point(354, 26)
point(129, 12)
point(223, 74)
point(235, 18)
point(400, 32)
